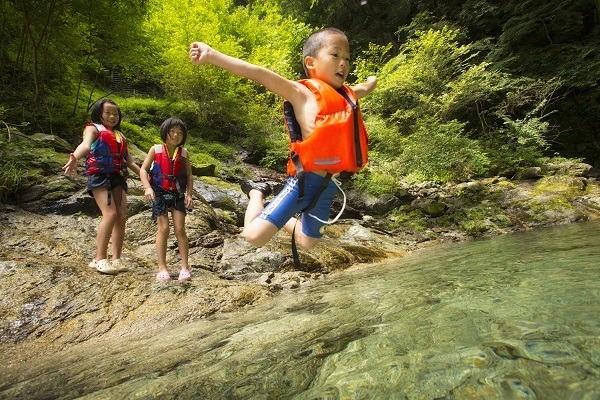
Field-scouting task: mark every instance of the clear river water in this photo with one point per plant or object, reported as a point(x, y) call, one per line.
point(510, 317)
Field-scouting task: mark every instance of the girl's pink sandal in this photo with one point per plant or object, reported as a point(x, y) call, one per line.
point(184, 275)
point(163, 276)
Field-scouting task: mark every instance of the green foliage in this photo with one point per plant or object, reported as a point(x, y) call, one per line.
point(439, 114)
point(219, 151)
point(24, 161)
point(383, 138)
point(231, 108)
point(276, 154)
point(201, 158)
point(370, 61)
point(439, 151)
point(52, 50)
point(436, 86)
point(151, 112)
point(517, 144)
point(380, 177)
point(408, 218)
point(11, 176)
point(142, 137)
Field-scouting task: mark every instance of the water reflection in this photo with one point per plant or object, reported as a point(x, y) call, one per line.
point(515, 317)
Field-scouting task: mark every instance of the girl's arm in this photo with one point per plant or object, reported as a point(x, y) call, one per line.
point(90, 134)
point(144, 177)
point(297, 94)
point(189, 190)
point(364, 88)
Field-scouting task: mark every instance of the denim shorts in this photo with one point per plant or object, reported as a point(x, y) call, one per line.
point(285, 205)
point(165, 201)
point(110, 181)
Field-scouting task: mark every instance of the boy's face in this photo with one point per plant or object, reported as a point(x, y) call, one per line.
point(332, 63)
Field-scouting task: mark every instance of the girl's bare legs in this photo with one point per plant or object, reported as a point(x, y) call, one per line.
point(107, 223)
point(182, 239)
point(162, 233)
point(257, 231)
point(119, 197)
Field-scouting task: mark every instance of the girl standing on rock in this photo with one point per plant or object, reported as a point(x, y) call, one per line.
point(107, 159)
point(168, 182)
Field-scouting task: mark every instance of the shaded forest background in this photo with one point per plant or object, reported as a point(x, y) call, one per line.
point(466, 88)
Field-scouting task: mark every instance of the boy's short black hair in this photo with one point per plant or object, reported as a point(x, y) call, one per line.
point(97, 108)
point(315, 42)
point(171, 123)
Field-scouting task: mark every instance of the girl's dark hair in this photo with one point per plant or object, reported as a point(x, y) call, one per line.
point(97, 112)
point(170, 123)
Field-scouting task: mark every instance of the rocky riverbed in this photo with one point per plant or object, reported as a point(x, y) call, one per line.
point(52, 299)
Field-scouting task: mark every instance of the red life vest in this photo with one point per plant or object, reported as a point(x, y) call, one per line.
point(339, 141)
point(107, 155)
point(166, 173)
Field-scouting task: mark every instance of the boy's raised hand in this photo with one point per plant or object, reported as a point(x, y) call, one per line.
point(199, 52)
point(364, 88)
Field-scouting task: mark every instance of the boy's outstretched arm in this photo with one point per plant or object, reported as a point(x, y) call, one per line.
point(364, 88)
point(201, 53)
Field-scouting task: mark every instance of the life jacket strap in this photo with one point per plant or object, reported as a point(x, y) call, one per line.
point(300, 175)
point(160, 191)
point(295, 255)
point(322, 188)
point(164, 176)
point(355, 111)
point(121, 165)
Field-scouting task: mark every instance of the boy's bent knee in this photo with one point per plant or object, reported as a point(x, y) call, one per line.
point(306, 242)
point(259, 232)
point(255, 240)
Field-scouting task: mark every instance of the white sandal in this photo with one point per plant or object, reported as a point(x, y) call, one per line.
point(119, 265)
point(104, 267)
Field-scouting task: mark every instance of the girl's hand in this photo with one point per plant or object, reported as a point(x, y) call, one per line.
point(188, 202)
point(149, 194)
point(70, 167)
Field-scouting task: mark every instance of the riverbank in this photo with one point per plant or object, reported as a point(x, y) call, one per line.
point(53, 301)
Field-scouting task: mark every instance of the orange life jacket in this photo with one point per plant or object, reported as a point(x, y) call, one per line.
point(339, 141)
point(107, 154)
point(166, 173)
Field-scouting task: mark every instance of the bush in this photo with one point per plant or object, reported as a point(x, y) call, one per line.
point(378, 178)
point(440, 152)
point(439, 115)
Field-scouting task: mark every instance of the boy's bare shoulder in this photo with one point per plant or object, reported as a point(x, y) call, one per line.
point(300, 95)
